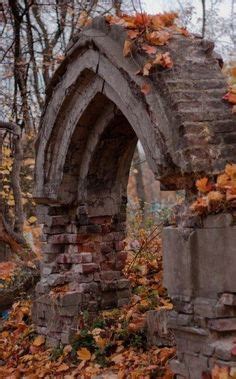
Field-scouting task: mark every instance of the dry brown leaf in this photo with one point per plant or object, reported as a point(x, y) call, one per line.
point(230, 170)
point(167, 60)
point(149, 49)
point(145, 88)
point(117, 358)
point(146, 69)
point(62, 368)
point(199, 206)
point(158, 38)
point(84, 354)
point(223, 180)
point(220, 373)
point(214, 200)
point(132, 34)
point(39, 340)
point(231, 97)
point(163, 60)
point(101, 342)
point(127, 48)
point(203, 185)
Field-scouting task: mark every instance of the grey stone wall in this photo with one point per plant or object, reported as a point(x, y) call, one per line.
point(200, 275)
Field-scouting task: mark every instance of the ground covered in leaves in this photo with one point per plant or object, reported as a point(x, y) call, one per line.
point(114, 345)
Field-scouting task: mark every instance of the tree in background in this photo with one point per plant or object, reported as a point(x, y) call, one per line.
point(206, 18)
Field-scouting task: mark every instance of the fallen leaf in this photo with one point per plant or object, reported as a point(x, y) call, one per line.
point(163, 60)
point(199, 206)
point(39, 340)
point(158, 38)
point(203, 185)
point(84, 354)
point(132, 34)
point(127, 48)
point(223, 181)
point(32, 220)
point(145, 88)
point(220, 373)
point(146, 69)
point(167, 60)
point(230, 97)
point(230, 169)
point(118, 358)
point(141, 19)
point(101, 342)
point(214, 200)
point(62, 368)
point(149, 49)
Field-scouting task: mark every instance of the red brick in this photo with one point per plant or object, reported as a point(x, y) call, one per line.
point(88, 268)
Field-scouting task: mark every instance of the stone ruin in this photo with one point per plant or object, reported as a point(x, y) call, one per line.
point(94, 114)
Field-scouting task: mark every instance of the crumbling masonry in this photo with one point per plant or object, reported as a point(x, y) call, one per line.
point(94, 114)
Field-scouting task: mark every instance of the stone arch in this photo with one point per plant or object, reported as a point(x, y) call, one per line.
point(95, 111)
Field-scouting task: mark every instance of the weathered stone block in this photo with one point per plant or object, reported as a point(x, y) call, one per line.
point(223, 325)
point(158, 332)
point(63, 239)
point(179, 368)
point(196, 364)
point(220, 220)
point(177, 261)
point(223, 347)
point(68, 299)
point(228, 299)
point(123, 283)
point(110, 275)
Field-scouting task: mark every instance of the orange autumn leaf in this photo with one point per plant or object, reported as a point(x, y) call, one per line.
point(132, 34)
point(127, 48)
point(230, 97)
point(223, 181)
point(215, 196)
point(149, 49)
point(84, 354)
point(163, 20)
point(163, 60)
point(167, 61)
point(233, 71)
point(62, 368)
point(146, 69)
point(141, 19)
point(158, 38)
point(38, 341)
point(203, 185)
point(230, 170)
point(145, 88)
point(183, 31)
point(6, 270)
point(117, 358)
point(101, 342)
point(220, 373)
point(199, 206)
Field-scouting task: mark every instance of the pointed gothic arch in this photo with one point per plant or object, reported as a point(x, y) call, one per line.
point(95, 111)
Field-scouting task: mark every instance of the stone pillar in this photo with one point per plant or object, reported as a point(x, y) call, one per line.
point(200, 275)
point(81, 270)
